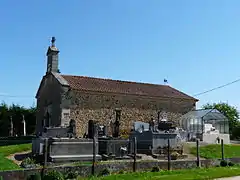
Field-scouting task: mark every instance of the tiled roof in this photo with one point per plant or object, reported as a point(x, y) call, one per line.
point(116, 86)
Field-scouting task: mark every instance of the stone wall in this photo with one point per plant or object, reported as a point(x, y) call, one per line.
point(49, 94)
point(101, 107)
point(114, 167)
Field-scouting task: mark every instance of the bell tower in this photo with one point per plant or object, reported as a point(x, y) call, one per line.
point(52, 57)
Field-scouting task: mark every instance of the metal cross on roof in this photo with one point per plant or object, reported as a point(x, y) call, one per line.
point(53, 41)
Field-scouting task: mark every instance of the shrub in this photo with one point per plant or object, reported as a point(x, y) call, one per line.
point(124, 133)
point(53, 175)
point(155, 169)
point(71, 175)
point(121, 172)
point(223, 163)
point(28, 163)
point(174, 155)
point(231, 163)
point(104, 172)
point(34, 177)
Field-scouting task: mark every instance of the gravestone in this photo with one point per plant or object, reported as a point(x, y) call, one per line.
point(91, 129)
point(153, 141)
point(24, 126)
point(72, 129)
point(63, 146)
point(102, 131)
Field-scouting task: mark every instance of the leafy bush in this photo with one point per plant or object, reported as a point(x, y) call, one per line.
point(124, 133)
point(231, 163)
point(34, 177)
point(223, 163)
point(28, 163)
point(121, 172)
point(71, 175)
point(53, 175)
point(104, 172)
point(174, 155)
point(155, 169)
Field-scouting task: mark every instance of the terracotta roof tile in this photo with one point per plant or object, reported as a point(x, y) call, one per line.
point(116, 86)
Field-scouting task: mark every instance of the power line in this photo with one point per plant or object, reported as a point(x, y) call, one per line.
point(219, 87)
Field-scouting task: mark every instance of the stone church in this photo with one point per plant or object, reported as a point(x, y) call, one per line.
point(63, 97)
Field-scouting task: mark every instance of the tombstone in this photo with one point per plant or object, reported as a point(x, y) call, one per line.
point(116, 129)
point(24, 125)
point(11, 126)
point(141, 126)
point(151, 142)
point(102, 131)
point(151, 125)
point(55, 132)
point(116, 124)
point(92, 129)
point(62, 147)
point(72, 128)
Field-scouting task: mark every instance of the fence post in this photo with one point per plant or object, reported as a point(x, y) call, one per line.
point(94, 156)
point(45, 154)
point(134, 153)
point(198, 153)
point(222, 149)
point(169, 154)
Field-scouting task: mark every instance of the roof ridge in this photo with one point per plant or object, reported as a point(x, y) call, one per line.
point(126, 81)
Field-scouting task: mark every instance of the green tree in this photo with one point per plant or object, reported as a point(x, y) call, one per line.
point(230, 112)
point(4, 120)
point(17, 113)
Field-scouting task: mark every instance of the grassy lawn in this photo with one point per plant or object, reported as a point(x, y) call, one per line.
point(190, 174)
point(6, 164)
point(214, 151)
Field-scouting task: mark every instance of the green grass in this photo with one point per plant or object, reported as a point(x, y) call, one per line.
point(190, 174)
point(6, 164)
point(213, 151)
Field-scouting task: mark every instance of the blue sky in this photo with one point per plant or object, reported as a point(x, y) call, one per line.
point(195, 45)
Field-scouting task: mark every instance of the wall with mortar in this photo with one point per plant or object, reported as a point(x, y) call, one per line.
point(49, 94)
point(113, 167)
point(101, 107)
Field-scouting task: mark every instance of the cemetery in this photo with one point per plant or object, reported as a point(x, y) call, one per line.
point(157, 139)
point(148, 145)
point(152, 139)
